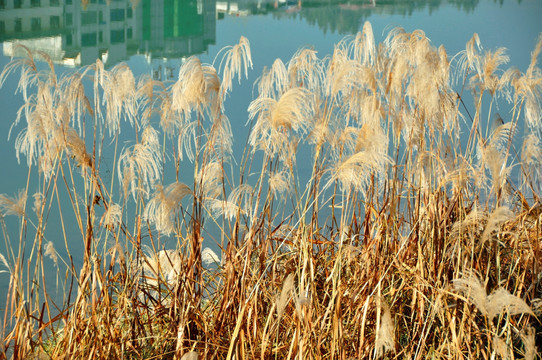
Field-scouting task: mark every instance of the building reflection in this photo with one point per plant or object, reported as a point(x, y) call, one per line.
point(76, 33)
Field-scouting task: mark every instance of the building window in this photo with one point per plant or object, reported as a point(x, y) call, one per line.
point(117, 36)
point(54, 22)
point(2, 4)
point(88, 39)
point(69, 2)
point(89, 17)
point(101, 37)
point(129, 12)
point(69, 40)
point(35, 3)
point(54, 2)
point(129, 33)
point(2, 27)
point(18, 25)
point(68, 19)
point(17, 3)
point(117, 14)
point(35, 24)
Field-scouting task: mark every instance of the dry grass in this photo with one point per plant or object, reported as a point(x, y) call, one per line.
point(389, 248)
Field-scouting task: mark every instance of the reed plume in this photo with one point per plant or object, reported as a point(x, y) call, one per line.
point(495, 219)
point(51, 252)
point(209, 257)
point(112, 216)
point(4, 262)
point(119, 95)
point(278, 121)
point(13, 205)
point(528, 88)
point(140, 165)
point(235, 61)
point(385, 339)
point(284, 297)
point(306, 70)
point(354, 173)
point(163, 206)
point(162, 267)
point(528, 336)
point(490, 305)
point(237, 203)
point(273, 82)
point(195, 90)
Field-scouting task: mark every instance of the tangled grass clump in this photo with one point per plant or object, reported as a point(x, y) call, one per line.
point(417, 206)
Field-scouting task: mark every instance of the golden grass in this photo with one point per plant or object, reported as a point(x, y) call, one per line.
point(387, 249)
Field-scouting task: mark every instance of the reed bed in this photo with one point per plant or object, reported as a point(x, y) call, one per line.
point(416, 233)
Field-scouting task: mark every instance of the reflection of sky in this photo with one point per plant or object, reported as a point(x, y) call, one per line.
point(513, 26)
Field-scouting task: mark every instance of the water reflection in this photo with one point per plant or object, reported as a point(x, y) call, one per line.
point(347, 17)
point(75, 33)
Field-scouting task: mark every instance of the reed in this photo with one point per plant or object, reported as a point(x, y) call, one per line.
point(415, 207)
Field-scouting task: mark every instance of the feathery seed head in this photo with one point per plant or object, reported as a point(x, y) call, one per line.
point(528, 337)
point(363, 46)
point(222, 136)
point(117, 254)
point(305, 70)
point(385, 338)
point(321, 132)
point(235, 61)
point(354, 173)
point(280, 183)
point(494, 304)
point(371, 137)
point(39, 200)
point(284, 298)
point(209, 179)
point(469, 227)
point(496, 218)
point(531, 151)
point(112, 216)
point(77, 148)
point(209, 257)
point(119, 96)
point(273, 82)
point(51, 252)
point(474, 290)
point(161, 210)
point(13, 205)
point(238, 203)
point(531, 155)
point(141, 162)
point(162, 267)
point(501, 348)
point(501, 300)
point(196, 90)
point(278, 121)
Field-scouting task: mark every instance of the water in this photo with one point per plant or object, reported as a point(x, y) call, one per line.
point(156, 37)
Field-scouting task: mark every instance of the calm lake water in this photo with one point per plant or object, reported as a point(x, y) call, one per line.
point(155, 37)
